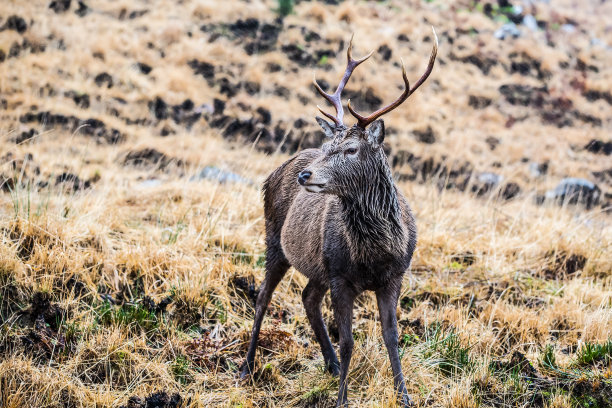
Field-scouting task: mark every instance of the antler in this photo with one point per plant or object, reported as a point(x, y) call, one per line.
point(363, 121)
point(334, 98)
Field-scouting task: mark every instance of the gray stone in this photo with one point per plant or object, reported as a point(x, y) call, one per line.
point(507, 30)
point(530, 22)
point(222, 176)
point(575, 191)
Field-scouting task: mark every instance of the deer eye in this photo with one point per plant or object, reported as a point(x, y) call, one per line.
point(350, 151)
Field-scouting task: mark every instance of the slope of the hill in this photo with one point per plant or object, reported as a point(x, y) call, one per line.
point(134, 136)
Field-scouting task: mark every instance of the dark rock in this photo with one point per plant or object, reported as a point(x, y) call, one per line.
point(479, 102)
point(466, 258)
point(42, 307)
point(510, 190)
point(282, 91)
point(324, 55)
point(42, 340)
point(226, 87)
point(298, 55)
point(83, 10)
point(605, 176)
point(271, 67)
point(520, 363)
point(137, 13)
point(526, 65)
point(104, 79)
point(150, 158)
point(16, 23)
point(385, 52)
point(159, 108)
point(218, 106)
point(162, 400)
point(362, 100)
point(25, 136)
point(593, 95)
point(324, 86)
point(554, 110)
point(251, 87)
point(60, 6)
point(265, 115)
point(75, 286)
point(166, 131)
point(482, 62)
point(560, 264)
point(583, 66)
point(185, 113)
point(525, 95)
point(264, 39)
point(403, 38)
point(14, 50)
point(80, 99)
point(144, 68)
point(425, 136)
point(492, 141)
point(575, 191)
point(159, 399)
point(310, 36)
point(242, 28)
point(89, 127)
point(160, 307)
point(239, 127)
point(72, 182)
point(299, 123)
point(599, 146)
point(203, 68)
point(586, 118)
point(244, 286)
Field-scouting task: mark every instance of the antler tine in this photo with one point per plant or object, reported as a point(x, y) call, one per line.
point(334, 98)
point(363, 121)
point(330, 116)
point(430, 65)
point(334, 101)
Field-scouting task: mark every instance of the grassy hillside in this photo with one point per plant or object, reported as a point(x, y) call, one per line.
point(134, 138)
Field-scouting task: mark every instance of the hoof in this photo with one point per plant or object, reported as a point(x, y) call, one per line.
point(333, 369)
point(245, 371)
point(408, 403)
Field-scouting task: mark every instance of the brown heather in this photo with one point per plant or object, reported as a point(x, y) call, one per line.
point(124, 282)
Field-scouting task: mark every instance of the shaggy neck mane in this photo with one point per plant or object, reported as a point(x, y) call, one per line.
point(372, 213)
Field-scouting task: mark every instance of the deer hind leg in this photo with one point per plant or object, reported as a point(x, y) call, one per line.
point(387, 307)
point(343, 298)
point(312, 296)
point(276, 267)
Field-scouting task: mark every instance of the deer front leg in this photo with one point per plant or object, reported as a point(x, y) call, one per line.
point(312, 296)
point(343, 298)
point(387, 307)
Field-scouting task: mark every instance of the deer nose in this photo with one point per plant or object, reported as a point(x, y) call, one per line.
point(304, 176)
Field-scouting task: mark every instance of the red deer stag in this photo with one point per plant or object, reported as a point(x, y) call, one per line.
point(335, 215)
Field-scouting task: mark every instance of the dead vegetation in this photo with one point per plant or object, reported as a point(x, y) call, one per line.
point(133, 139)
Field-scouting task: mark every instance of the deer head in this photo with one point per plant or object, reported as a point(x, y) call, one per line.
point(354, 154)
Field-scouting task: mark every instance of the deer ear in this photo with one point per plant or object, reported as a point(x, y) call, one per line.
point(376, 133)
point(327, 127)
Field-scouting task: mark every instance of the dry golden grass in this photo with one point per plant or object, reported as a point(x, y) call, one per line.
point(84, 271)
